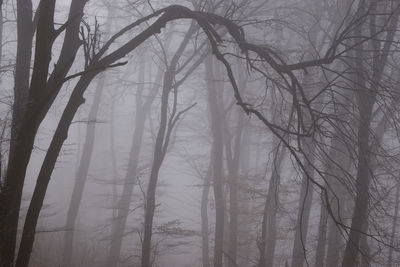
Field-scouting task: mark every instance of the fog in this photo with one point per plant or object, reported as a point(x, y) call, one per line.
point(199, 133)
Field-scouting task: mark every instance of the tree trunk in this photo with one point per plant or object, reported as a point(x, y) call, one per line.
point(25, 32)
point(216, 131)
point(204, 216)
point(11, 198)
point(233, 217)
point(334, 240)
point(365, 260)
point(233, 163)
point(157, 161)
point(113, 158)
point(363, 177)
point(322, 229)
point(81, 175)
point(233, 157)
point(303, 215)
point(273, 195)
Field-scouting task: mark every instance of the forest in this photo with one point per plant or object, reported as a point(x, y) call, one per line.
point(224, 133)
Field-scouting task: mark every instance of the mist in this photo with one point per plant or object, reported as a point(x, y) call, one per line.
point(250, 133)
